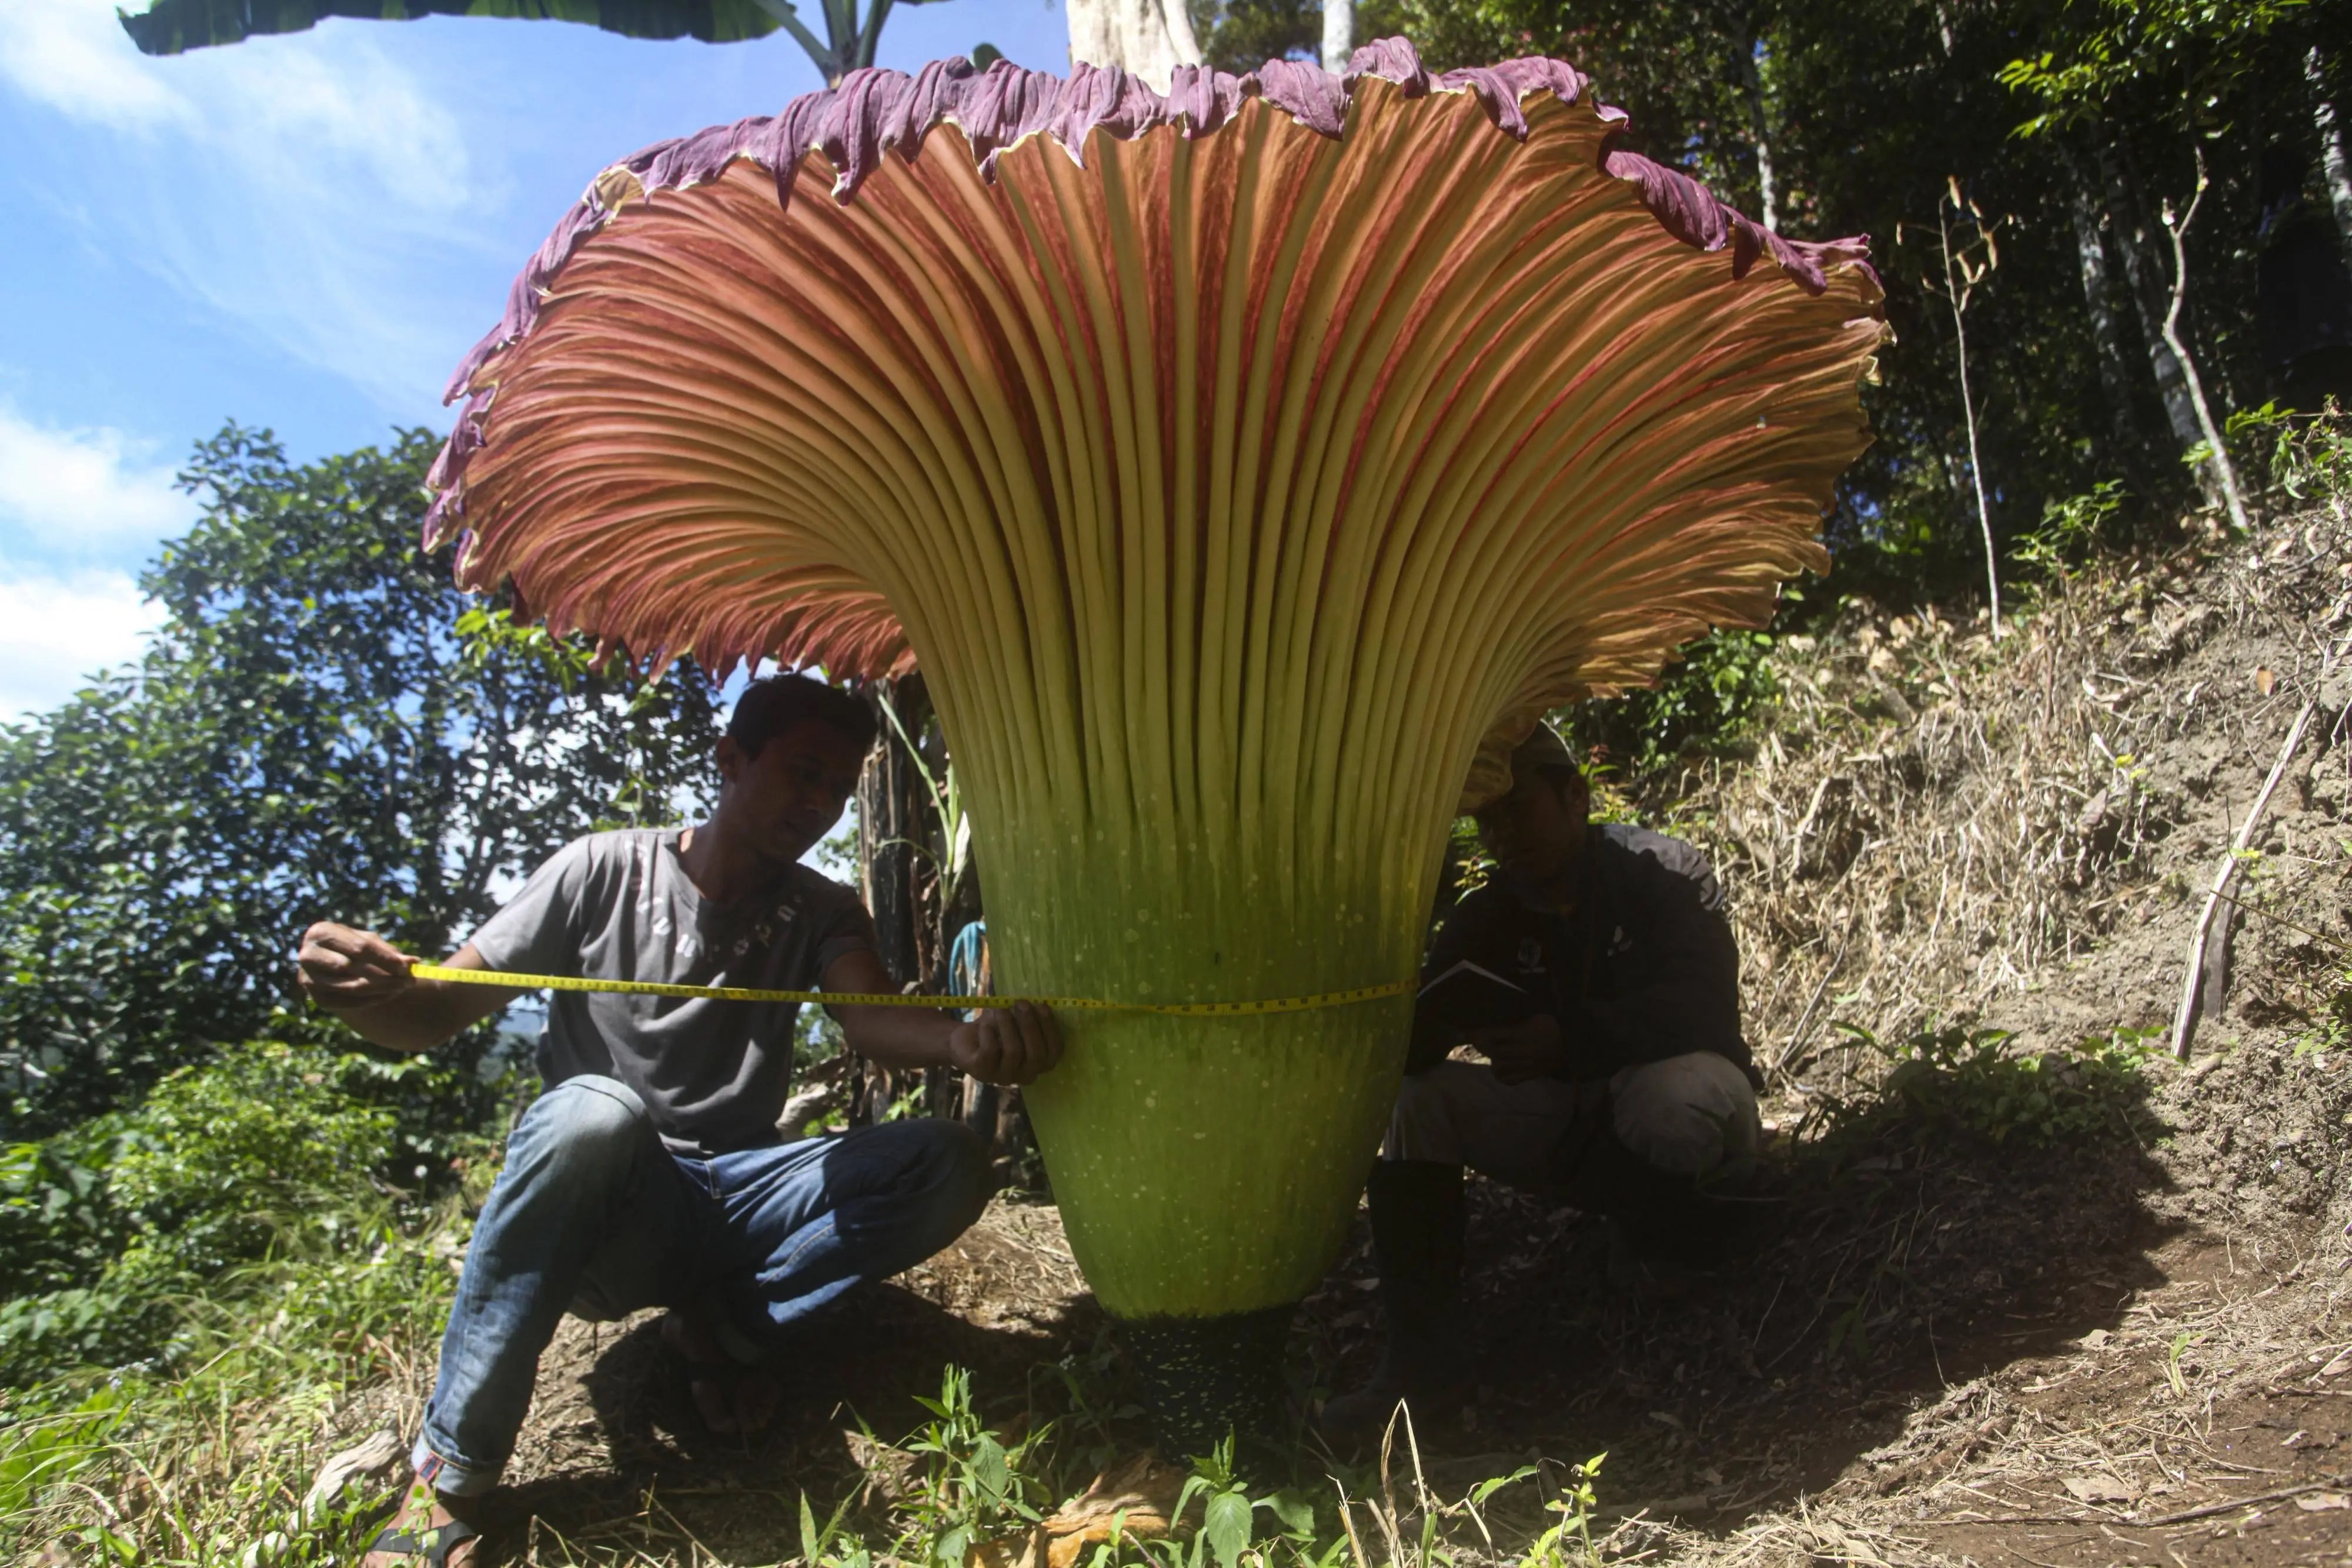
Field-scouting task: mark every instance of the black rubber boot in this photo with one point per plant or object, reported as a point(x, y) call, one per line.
point(1418, 1225)
point(1666, 1230)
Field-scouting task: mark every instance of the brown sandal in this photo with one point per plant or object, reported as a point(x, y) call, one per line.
point(415, 1532)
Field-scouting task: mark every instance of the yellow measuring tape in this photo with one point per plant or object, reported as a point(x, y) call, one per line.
point(893, 999)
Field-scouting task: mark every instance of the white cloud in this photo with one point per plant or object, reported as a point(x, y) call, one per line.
point(284, 103)
point(299, 184)
point(327, 110)
point(75, 492)
point(70, 496)
point(75, 58)
point(56, 631)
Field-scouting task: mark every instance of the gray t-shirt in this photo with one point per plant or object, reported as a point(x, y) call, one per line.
point(619, 906)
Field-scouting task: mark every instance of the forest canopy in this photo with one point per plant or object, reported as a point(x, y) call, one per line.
point(324, 727)
point(2063, 131)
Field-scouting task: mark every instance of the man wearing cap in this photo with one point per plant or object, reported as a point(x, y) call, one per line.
point(1596, 974)
point(651, 1171)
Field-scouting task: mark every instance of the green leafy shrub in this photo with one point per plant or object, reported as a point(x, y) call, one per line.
point(193, 1459)
point(57, 1228)
point(1704, 702)
point(2311, 457)
point(1964, 1081)
point(974, 1486)
point(2072, 527)
point(126, 1319)
point(253, 1266)
point(105, 1232)
point(221, 1157)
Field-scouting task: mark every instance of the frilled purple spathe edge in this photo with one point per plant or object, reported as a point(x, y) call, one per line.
point(875, 110)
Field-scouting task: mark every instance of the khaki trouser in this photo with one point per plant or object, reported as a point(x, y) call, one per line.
point(1688, 1115)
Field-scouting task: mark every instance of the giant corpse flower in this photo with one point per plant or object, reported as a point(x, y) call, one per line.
point(1241, 466)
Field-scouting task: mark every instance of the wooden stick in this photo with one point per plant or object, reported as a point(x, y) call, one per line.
point(1805, 1018)
point(2210, 1509)
point(2131, 1521)
point(2184, 1023)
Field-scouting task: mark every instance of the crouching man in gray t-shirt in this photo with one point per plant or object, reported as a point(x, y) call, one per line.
point(650, 1172)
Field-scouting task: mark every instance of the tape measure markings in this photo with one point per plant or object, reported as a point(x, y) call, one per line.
point(894, 1000)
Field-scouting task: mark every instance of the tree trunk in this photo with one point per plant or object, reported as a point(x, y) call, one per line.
point(892, 820)
point(2331, 145)
point(1760, 131)
point(1339, 33)
point(2149, 296)
point(2098, 298)
point(894, 816)
point(1147, 38)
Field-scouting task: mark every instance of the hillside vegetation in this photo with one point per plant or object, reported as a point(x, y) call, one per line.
point(1964, 874)
point(2026, 1284)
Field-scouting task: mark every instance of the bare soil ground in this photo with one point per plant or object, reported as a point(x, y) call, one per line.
point(1940, 1346)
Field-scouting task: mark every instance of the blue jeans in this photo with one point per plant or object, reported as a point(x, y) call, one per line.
point(593, 1215)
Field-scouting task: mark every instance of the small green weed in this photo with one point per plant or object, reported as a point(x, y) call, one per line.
point(1569, 1539)
point(2172, 1359)
point(975, 1485)
point(2070, 531)
point(1229, 1515)
point(832, 1545)
point(2333, 1031)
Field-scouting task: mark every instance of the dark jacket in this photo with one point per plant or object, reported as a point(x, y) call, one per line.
point(1643, 968)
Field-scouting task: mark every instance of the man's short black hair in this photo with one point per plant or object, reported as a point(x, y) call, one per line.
point(775, 704)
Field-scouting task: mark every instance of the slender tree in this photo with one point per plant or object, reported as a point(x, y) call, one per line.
point(1751, 82)
point(2217, 451)
point(1965, 261)
point(2151, 297)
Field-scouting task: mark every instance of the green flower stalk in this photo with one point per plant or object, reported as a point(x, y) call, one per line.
point(1246, 468)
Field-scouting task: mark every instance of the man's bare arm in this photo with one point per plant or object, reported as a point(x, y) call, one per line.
point(1003, 1045)
point(364, 980)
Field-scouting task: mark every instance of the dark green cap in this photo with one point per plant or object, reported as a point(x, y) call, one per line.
point(1542, 748)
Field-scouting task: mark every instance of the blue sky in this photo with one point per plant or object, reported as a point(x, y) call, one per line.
point(304, 232)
